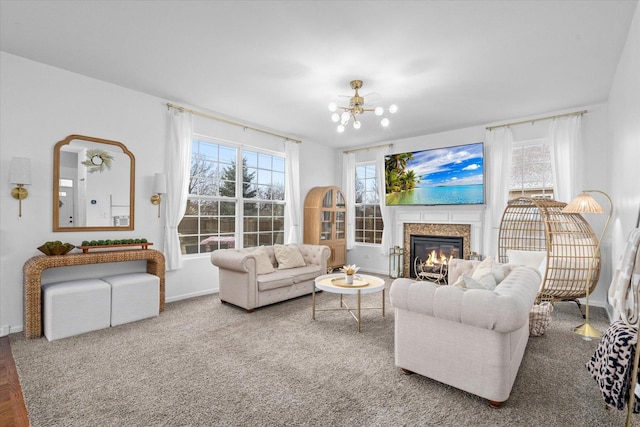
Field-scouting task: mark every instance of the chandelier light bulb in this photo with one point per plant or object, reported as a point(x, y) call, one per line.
point(342, 114)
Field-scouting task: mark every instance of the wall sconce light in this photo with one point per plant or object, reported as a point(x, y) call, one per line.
point(159, 187)
point(20, 175)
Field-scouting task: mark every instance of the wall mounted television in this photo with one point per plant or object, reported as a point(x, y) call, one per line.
point(438, 176)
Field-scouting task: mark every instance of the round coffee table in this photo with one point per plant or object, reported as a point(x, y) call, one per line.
point(335, 283)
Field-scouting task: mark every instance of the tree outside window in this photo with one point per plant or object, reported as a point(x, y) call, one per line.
point(215, 218)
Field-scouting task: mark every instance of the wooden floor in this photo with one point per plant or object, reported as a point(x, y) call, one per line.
point(13, 411)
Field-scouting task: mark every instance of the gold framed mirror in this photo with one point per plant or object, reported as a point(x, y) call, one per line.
point(93, 185)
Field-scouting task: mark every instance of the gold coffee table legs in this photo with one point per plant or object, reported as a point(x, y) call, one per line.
point(357, 315)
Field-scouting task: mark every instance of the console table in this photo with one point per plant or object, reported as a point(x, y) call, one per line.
point(34, 267)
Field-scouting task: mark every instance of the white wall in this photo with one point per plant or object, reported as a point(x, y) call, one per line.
point(41, 105)
point(623, 142)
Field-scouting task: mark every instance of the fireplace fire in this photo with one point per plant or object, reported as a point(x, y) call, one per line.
point(435, 268)
point(431, 255)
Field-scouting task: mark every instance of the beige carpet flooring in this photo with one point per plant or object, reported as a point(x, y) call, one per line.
point(203, 363)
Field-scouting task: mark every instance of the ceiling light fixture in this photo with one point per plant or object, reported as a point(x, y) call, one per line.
point(355, 108)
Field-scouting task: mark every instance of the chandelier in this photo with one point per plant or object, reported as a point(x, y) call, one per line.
point(356, 108)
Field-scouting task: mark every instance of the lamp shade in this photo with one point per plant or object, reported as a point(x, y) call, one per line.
point(20, 170)
point(583, 203)
point(160, 183)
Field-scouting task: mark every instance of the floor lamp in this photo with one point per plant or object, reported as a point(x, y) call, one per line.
point(585, 203)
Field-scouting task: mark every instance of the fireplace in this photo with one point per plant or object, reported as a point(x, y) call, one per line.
point(454, 238)
point(430, 256)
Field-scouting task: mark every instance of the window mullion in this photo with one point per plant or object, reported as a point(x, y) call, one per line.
point(239, 200)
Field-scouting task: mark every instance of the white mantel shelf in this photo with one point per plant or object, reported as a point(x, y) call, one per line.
point(470, 215)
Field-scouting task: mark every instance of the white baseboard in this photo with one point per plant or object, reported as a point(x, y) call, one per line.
point(370, 270)
point(6, 330)
point(191, 295)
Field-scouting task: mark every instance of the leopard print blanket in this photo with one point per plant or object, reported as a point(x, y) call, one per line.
point(612, 365)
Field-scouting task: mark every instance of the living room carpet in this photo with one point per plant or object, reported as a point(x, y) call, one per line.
point(203, 363)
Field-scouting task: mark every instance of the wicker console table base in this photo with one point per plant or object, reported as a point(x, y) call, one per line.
point(34, 267)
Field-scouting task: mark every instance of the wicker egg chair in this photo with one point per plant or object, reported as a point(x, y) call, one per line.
point(538, 224)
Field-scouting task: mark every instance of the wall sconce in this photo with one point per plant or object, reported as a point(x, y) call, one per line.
point(20, 175)
point(159, 187)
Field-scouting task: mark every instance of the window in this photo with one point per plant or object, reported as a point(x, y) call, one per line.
point(229, 207)
point(369, 223)
point(531, 171)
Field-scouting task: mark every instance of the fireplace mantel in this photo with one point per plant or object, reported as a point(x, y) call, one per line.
point(450, 215)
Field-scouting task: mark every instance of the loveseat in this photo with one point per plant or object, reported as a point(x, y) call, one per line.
point(251, 279)
point(471, 339)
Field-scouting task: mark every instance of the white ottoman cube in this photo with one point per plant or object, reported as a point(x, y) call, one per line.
point(134, 296)
point(75, 307)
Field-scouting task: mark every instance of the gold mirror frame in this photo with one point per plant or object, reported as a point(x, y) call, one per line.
point(56, 185)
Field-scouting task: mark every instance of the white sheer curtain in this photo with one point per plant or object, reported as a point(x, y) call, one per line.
point(292, 192)
point(349, 189)
point(178, 160)
point(498, 152)
point(380, 182)
point(567, 159)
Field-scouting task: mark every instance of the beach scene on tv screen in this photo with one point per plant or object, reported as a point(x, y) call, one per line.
point(441, 176)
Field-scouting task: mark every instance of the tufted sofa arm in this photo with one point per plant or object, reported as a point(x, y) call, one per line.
point(234, 259)
point(315, 255)
point(504, 309)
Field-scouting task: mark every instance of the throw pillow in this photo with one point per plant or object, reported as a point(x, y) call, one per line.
point(263, 263)
point(288, 256)
point(531, 259)
point(488, 268)
point(488, 282)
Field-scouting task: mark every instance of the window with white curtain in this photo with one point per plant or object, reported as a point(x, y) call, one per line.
point(531, 170)
point(369, 224)
point(230, 206)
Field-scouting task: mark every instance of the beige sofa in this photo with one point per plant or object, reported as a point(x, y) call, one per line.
point(471, 339)
point(241, 285)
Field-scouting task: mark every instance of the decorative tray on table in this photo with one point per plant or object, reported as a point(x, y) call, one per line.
point(341, 282)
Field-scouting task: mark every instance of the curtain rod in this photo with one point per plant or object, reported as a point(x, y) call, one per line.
point(575, 113)
point(231, 122)
point(366, 148)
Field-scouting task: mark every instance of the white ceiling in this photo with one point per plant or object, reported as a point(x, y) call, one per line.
point(446, 64)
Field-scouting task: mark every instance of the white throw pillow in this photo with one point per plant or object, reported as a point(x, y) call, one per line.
point(486, 267)
point(488, 282)
point(263, 263)
point(498, 273)
point(531, 259)
point(288, 256)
